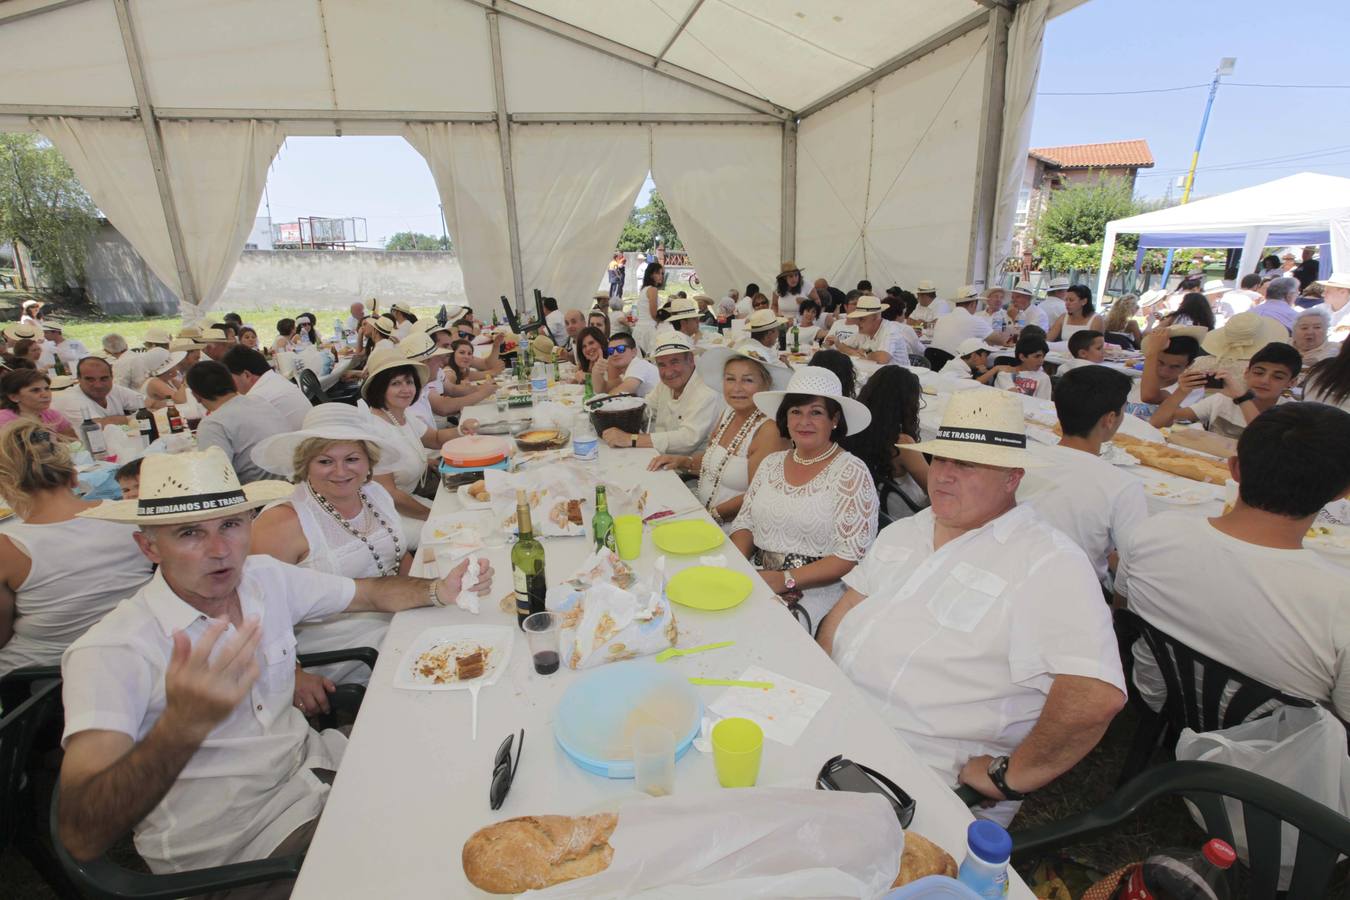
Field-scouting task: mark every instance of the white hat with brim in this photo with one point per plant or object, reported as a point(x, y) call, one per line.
point(669, 343)
point(382, 359)
point(1243, 335)
point(926, 287)
point(156, 336)
point(53, 325)
point(816, 381)
point(763, 320)
point(189, 487)
point(400, 307)
point(1191, 331)
point(175, 357)
point(184, 345)
point(1023, 290)
point(1058, 284)
point(420, 346)
point(337, 422)
point(984, 427)
point(61, 382)
point(384, 325)
point(1148, 298)
point(599, 295)
point(215, 334)
point(969, 293)
point(867, 305)
point(22, 332)
point(972, 345)
point(1214, 286)
point(1337, 279)
point(682, 308)
point(713, 363)
point(189, 331)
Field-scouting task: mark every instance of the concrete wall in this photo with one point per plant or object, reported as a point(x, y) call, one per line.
point(118, 280)
point(333, 279)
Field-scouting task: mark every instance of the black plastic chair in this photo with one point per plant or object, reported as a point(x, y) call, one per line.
point(937, 358)
point(888, 488)
point(19, 820)
point(1198, 694)
point(104, 879)
point(514, 321)
point(1121, 339)
point(1323, 833)
point(918, 362)
point(310, 387)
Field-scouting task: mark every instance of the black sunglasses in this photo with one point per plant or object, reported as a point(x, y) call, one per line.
point(503, 771)
point(610, 351)
point(466, 335)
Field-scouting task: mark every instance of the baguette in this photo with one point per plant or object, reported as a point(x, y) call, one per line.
point(535, 852)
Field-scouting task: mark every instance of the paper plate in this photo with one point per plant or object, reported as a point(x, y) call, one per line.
point(709, 587)
point(597, 715)
point(498, 639)
point(692, 536)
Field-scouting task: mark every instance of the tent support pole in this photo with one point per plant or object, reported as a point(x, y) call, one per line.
point(187, 291)
point(991, 139)
point(39, 10)
point(679, 30)
point(508, 172)
point(788, 231)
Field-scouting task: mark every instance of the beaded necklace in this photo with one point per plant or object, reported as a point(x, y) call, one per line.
point(329, 508)
point(746, 429)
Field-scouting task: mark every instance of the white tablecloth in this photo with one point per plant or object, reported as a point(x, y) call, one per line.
point(413, 786)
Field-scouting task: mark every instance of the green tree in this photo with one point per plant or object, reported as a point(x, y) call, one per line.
point(44, 206)
point(412, 240)
point(1069, 233)
point(646, 223)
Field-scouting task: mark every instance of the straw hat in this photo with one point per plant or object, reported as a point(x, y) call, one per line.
point(190, 331)
point(926, 287)
point(541, 345)
point(34, 305)
point(982, 426)
point(714, 361)
point(682, 308)
point(670, 343)
point(599, 295)
point(867, 306)
point(156, 336)
point(1337, 279)
point(969, 293)
point(789, 266)
point(763, 320)
point(1214, 286)
point(331, 422)
point(383, 324)
point(430, 327)
point(972, 345)
point(184, 345)
point(188, 487)
point(216, 334)
point(1191, 331)
point(174, 358)
point(1057, 284)
point(702, 298)
point(816, 381)
point(1024, 290)
point(387, 356)
point(401, 307)
point(1148, 298)
point(420, 346)
point(52, 325)
point(61, 382)
point(453, 314)
point(1243, 335)
point(22, 332)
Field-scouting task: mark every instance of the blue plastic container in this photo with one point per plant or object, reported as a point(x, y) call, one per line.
point(598, 713)
point(934, 887)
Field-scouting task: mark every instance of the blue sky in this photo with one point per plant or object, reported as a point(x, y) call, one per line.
point(1254, 133)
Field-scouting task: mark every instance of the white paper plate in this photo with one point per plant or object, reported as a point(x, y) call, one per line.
point(498, 638)
point(467, 499)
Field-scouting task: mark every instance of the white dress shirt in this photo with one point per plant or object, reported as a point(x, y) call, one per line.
point(130, 370)
point(682, 425)
point(1053, 307)
point(955, 327)
point(932, 312)
point(1032, 315)
point(77, 406)
point(69, 351)
point(1339, 326)
point(896, 339)
point(286, 398)
point(249, 784)
point(957, 648)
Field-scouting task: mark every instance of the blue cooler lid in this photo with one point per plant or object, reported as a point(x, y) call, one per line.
point(933, 887)
point(989, 841)
point(597, 715)
point(447, 469)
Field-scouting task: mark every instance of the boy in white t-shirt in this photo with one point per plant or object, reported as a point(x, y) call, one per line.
point(1026, 377)
point(622, 371)
point(1087, 347)
point(844, 329)
point(1167, 353)
point(971, 361)
point(1231, 409)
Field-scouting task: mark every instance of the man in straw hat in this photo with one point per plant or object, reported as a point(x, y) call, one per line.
point(1023, 312)
point(681, 315)
point(683, 407)
point(879, 340)
point(56, 346)
point(404, 319)
point(180, 722)
point(765, 327)
point(930, 308)
point(977, 630)
point(961, 323)
point(1336, 302)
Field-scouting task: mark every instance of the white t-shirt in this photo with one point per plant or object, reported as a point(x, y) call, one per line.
point(1053, 308)
point(1219, 414)
point(806, 334)
point(1032, 315)
point(930, 313)
point(843, 330)
point(76, 406)
point(956, 649)
point(647, 373)
point(1135, 405)
point(956, 367)
point(1278, 616)
point(557, 327)
point(744, 307)
point(1339, 326)
point(1093, 502)
point(956, 326)
point(896, 339)
point(1239, 301)
point(402, 331)
point(1029, 384)
point(285, 397)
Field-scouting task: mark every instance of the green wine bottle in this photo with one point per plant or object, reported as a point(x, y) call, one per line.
point(589, 390)
point(602, 525)
point(527, 564)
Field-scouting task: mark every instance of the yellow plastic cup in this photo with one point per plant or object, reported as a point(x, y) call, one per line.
point(737, 746)
point(628, 536)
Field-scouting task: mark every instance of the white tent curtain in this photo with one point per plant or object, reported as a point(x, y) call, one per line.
point(722, 186)
point(112, 161)
point(575, 186)
point(466, 162)
point(216, 174)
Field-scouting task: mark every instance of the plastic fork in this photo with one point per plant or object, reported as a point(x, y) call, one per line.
point(675, 651)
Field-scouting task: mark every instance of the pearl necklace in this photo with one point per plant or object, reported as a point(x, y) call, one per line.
point(329, 508)
point(392, 421)
point(796, 457)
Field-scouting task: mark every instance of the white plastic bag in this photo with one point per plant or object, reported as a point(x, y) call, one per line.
point(750, 842)
point(1303, 749)
point(608, 616)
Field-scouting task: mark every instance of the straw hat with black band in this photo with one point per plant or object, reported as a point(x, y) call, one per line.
point(867, 305)
point(383, 324)
point(401, 307)
point(22, 332)
point(188, 487)
point(184, 345)
point(418, 346)
point(926, 287)
point(330, 422)
point(969, 293)
point(385, 357)
point(156, 336)
point(175, 357)
point(681, 308)
point(670, 343)
point(762, 320)
point(984, 427)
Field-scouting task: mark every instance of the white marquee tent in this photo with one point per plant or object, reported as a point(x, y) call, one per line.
point(1306, 208)
point(873, 138)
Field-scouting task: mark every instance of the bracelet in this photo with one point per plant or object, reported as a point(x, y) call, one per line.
point(716, 515)
point(433, 594)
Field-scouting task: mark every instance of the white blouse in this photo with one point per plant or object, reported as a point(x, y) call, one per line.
point(411, 465)
point(734, 476)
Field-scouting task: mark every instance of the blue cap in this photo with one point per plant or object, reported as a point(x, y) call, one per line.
point(989, 841)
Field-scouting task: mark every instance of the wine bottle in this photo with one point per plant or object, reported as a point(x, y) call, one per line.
point(146, 423)
point(589, 390)
point(602, 525)
point(527, 564)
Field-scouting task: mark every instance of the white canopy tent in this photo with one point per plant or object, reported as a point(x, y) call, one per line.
point(1306, 208)
point(879, 138)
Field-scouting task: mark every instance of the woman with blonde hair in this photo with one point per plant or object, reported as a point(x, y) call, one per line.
point(339, 520)
point(46, 600)
point(1120, 318)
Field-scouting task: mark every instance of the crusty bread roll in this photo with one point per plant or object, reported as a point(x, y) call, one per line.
point(534, 852)
point(922, 858)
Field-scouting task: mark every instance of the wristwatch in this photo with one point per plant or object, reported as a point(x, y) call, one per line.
point(998, 770)
point(1238, 401)
point(632, 440)
point(789, 583)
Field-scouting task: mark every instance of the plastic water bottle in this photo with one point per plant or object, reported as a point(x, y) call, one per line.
point(539, 382)
point(337, 331)
point(1181, 875)
point(585, 442)
point(985, 868)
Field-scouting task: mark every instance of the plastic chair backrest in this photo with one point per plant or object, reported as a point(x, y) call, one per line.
point(18, 728)
point(1121, 339)
point(937, 358)
point(311, 388)
point(1204, 694)
point(918, 362)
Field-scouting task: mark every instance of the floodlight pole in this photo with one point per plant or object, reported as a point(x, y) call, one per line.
point(1225, 67)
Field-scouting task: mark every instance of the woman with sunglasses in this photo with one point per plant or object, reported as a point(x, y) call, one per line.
point(622, 371)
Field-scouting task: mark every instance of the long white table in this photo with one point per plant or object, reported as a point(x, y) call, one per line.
point(413, 786)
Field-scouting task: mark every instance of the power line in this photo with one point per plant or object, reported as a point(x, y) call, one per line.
point(1292, 159)
point(1167, 90)
point(1311, 87)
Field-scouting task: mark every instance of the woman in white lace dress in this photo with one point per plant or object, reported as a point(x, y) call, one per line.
point(811, 512)
point(743, 436)
point(339, 520)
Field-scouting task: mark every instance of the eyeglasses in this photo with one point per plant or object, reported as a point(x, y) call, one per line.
point(466, 335)
point(611, 351)
point(503, 771)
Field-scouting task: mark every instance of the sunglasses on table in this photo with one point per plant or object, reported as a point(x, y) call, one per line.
point(504, 771)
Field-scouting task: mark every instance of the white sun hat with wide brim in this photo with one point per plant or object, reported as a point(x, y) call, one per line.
point(1243, 335)
point(420, 347)
point(175, 357)
point(714, 361)
point(330, 422)
point(189, 487)
point(816, 381)
point(985, 427)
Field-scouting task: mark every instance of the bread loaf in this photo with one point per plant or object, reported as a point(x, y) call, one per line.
point(534, 852)
point(922, 858)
